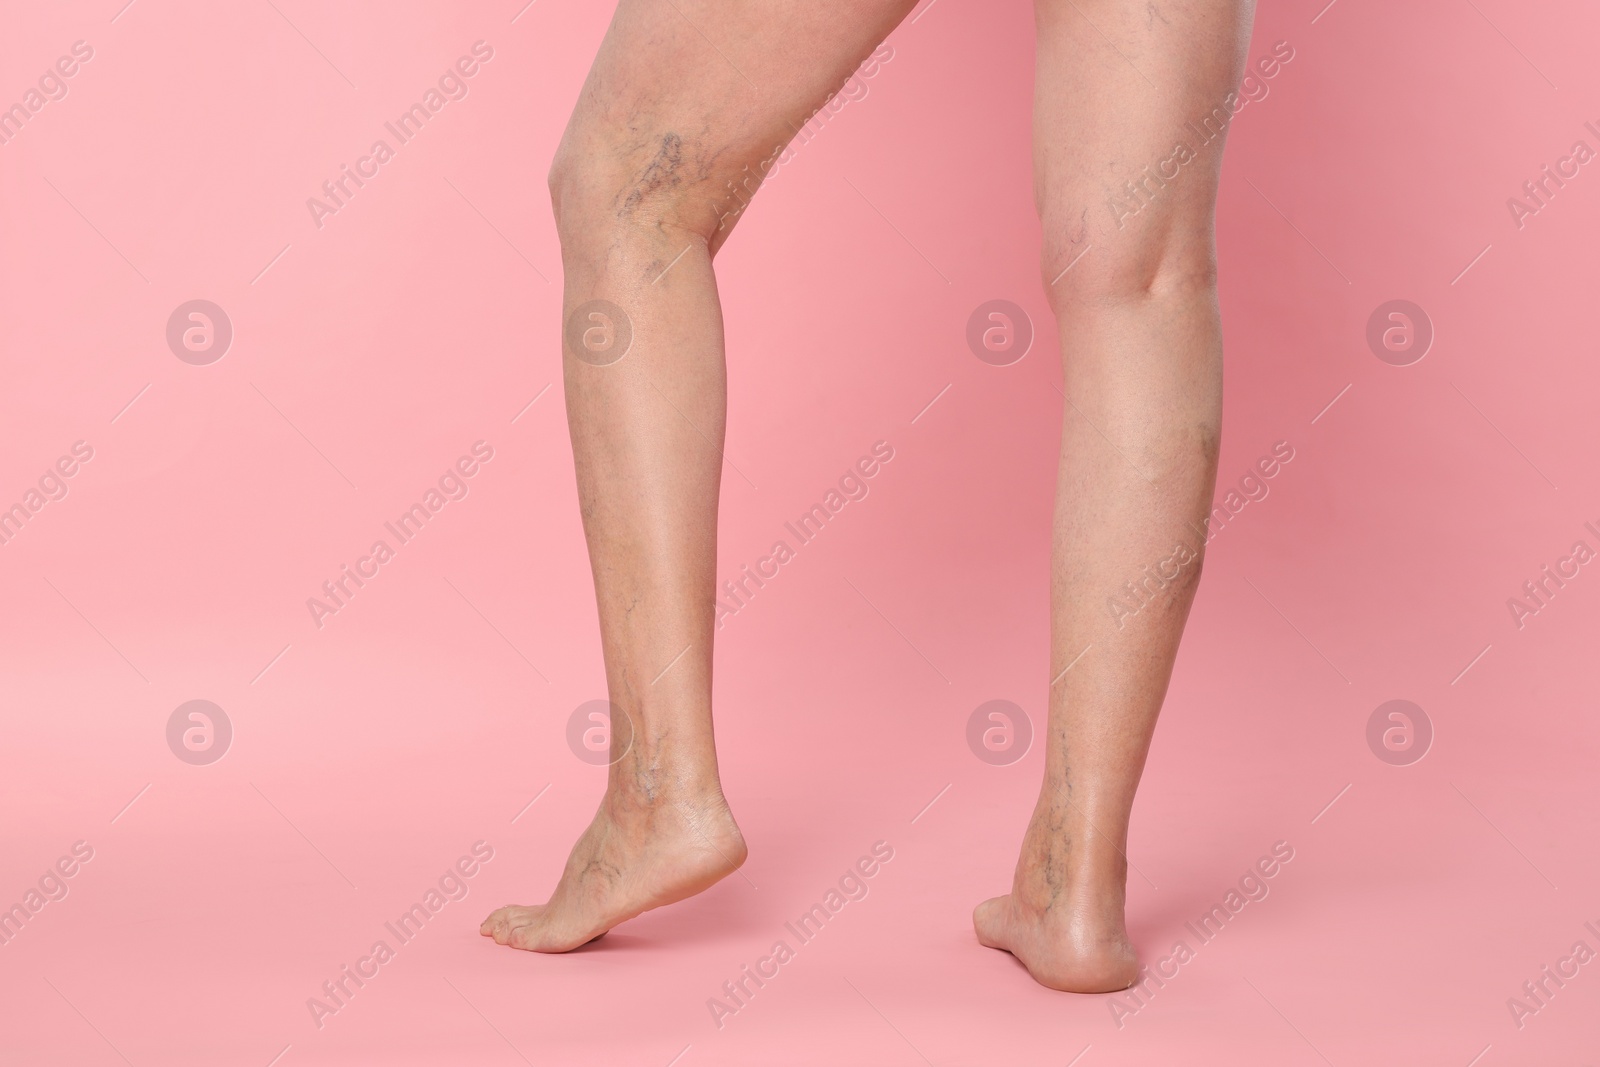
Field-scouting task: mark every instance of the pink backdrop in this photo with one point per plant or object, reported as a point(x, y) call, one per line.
point(369, 754)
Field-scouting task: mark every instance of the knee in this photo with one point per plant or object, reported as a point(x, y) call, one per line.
point(1142, 339)
point(595, 198)
point(1166, 258)
point(611, 187)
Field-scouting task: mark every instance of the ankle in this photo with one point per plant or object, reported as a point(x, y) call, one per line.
point(650, 788)
point(1069, 869)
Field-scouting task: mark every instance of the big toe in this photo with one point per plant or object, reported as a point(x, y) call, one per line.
point(543, 933)
point(525, 937)
point(507, 921)
point(989, 922)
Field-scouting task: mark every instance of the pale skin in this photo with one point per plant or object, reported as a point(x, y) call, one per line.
point(643, 189)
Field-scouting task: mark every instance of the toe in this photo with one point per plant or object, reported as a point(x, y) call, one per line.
point(500, 922)
point(548, 932)
point(511, 921)
point(989, 922)
point(537, 933)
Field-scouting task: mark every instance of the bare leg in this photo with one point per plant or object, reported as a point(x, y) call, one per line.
point(1142, 347)
point(666, 145)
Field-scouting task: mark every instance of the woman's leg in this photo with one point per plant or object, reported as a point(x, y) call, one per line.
point(687, 104)
point(1126, 189)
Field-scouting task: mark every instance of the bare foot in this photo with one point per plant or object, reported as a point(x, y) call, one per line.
point(1068, 931)
point(1067, 953)
point(635, 855)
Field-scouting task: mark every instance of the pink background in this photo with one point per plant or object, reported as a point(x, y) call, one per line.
point(370, 754)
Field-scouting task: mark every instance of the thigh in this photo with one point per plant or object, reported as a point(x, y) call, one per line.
point(1132, 103)
point(689, 102)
